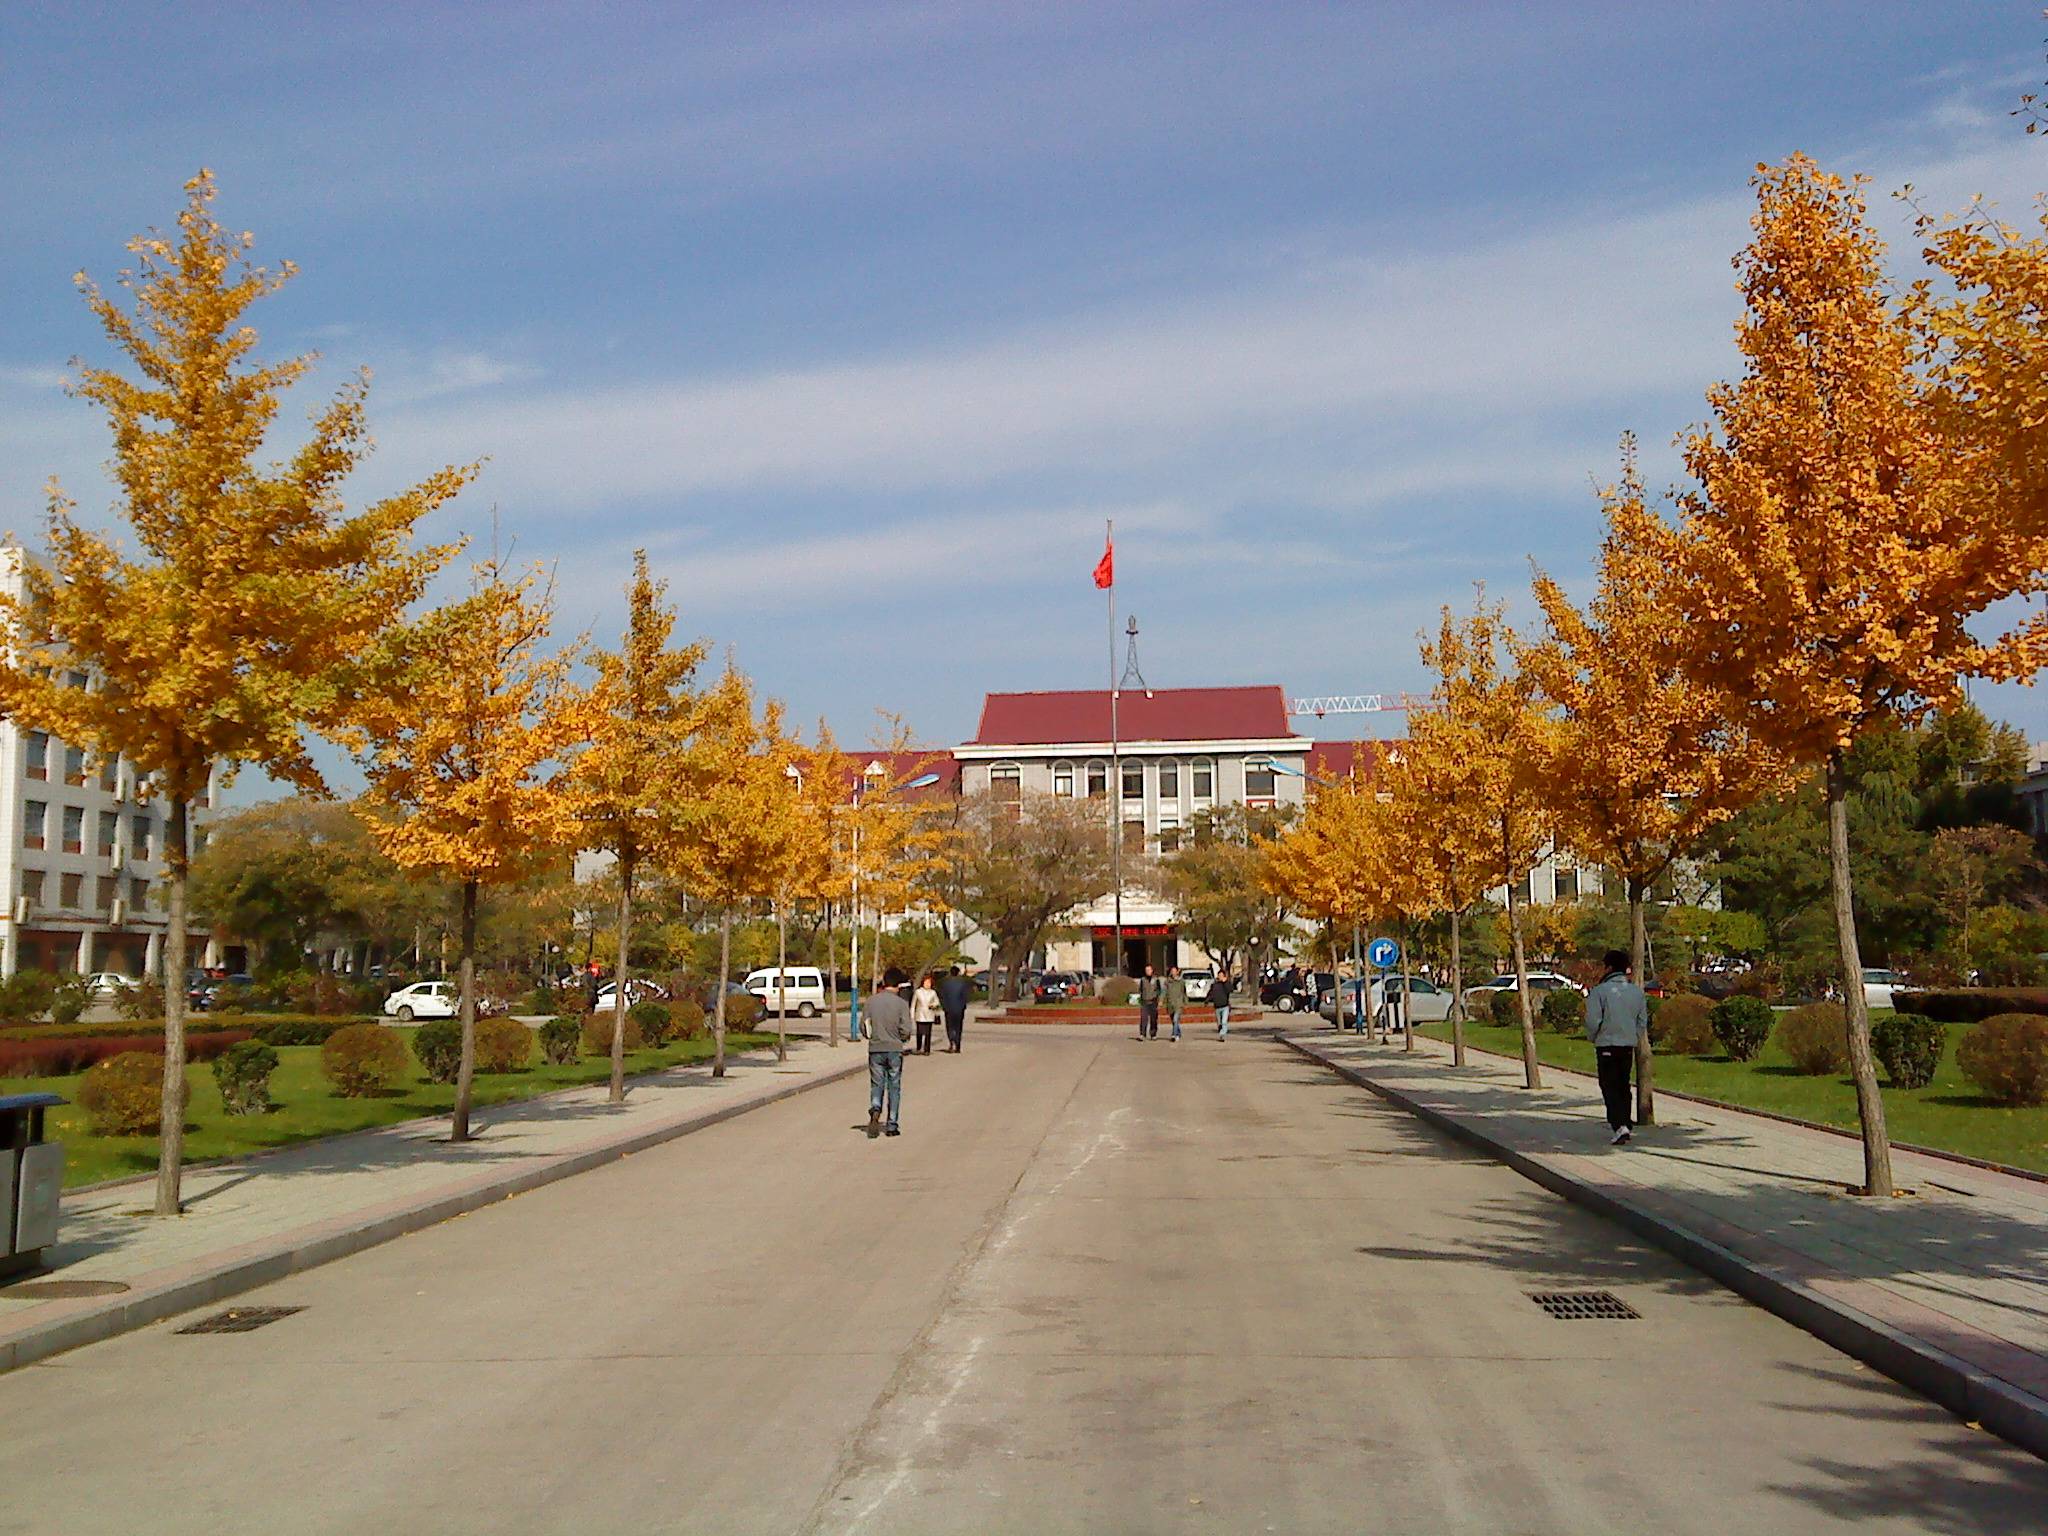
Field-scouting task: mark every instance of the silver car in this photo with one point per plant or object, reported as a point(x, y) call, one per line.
point(1432, 1003)
point(1197, 978)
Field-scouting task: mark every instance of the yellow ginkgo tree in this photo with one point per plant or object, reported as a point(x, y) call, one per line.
point(1432, 779)
point(1852, 517)
point(252, 610)
point(633, 781)
point(464, 758)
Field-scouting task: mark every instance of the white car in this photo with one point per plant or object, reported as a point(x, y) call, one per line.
point(638, 990)
point(1539, 982)
point(801, 990)
point(104, 985)
point(1197, 979)
point(1880, 986)
point(424, 1000)
point(1432, 1003)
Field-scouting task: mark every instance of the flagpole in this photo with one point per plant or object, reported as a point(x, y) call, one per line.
point(1116, 772)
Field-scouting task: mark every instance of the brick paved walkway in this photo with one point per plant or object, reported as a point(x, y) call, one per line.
point(1959, 1267)
point(249, 1220)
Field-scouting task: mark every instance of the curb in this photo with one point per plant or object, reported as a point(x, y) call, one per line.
point(1964, 1389)
point(267, 1260)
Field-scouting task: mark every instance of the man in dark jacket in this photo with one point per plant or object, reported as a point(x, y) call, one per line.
point(954, 992)
point(1149, 990)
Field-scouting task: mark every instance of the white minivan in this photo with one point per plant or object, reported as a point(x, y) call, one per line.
point(802, 990)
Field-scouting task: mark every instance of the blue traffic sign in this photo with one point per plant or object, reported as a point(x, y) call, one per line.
point(1383, 953)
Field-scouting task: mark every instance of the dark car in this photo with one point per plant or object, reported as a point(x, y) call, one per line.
point(227, 994)
point(1057, 986)
point(1299, 997)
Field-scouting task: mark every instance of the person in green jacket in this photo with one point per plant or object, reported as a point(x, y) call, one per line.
point(1176, 1000)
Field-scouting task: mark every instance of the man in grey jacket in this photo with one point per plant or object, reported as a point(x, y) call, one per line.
point(1617, 1019)
point(888, 1020)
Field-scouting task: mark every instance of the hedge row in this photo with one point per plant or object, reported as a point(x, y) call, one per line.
point(1970, 1005)
point(75, 1053)
point(196, 1024)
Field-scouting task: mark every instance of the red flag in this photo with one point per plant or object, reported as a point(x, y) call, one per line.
point(1105, 568)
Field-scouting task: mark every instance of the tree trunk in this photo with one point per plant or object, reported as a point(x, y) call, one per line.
point(781, 982)
point(1638, 949)
point(724, 969)
point(1532, 1070)
point(1457, 985)
point(170, 1157)
point(1337, 975)
point(618, 1093)
point(1407, 996)
point(831, 978)
point(465, 1076)
point(1877, 1147)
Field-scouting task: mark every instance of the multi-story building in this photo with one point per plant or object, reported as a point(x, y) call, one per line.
point(79, 886)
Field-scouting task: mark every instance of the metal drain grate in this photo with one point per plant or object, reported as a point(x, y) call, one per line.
point(1574, 1305)
point(238, 1320)
point(62, 1290)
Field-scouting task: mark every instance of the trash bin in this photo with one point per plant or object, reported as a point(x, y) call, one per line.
point(32, 1178)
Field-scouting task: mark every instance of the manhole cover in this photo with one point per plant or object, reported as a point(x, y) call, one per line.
point(238, 1320)
point(1573, 1305)
point(61, 1290)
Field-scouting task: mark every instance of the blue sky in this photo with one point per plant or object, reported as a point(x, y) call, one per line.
point(862, 319)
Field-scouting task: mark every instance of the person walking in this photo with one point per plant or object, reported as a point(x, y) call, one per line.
point(1617, 1019)
point(888, 1023)
point(955, 992)
point(1149, 990)
point(1175, 996)
point(924, 1013)
point(1219, 999)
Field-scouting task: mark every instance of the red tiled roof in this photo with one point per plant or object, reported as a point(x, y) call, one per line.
point(901, 767)
point(1169, 714)
point(1341, 759)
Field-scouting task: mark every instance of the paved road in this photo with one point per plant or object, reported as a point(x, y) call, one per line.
point(1096, 1286)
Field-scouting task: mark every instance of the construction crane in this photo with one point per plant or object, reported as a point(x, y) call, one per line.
point(1322, 704)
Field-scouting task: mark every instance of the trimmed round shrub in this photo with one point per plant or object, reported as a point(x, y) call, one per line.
point(1909, 1045)
point(686, 1019)
point(143, 1000)
point(362, 1059)
point(597, 1034)
point(1742, 1025)
point(123, 1095)
point(67, 1003)
point(1683, 1025)
point(1564, 1011)
point(2007, 1057)
point(1118, 991)
point(438, 1046)
point(1506, 1008)
point(242, 1073)
point(743, 1010)
point(1816, 1038)
point(543, 1001)
point(561, 1042)
point(503, 1045)
point(300, 1031)
point(655, 1021)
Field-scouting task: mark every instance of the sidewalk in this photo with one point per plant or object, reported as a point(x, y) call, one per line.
point(253, 1220)
point(1945, 1290)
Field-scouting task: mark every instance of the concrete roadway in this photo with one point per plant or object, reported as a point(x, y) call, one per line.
point(1095, 1286)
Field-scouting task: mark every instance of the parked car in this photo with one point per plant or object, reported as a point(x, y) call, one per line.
point(638, 990)
point(1197, 978)
point(225, 994)
point(1301, 996)
point(104, 986)
point(1430, 1002)
point(1057, 986)
point(424, 1000)
point(1539, 981)
point(1880, 986)
point(801, 990)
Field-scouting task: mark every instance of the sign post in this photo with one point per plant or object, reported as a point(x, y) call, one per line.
point(1383, 955)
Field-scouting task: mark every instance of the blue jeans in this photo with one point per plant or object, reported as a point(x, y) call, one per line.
point(1222, 1020)
point(1174, 1014)
point(885, 1078)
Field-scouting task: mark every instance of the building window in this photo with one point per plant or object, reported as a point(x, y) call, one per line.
point(1169, 779)
point(1258, 778)
point(138, 835)
point(75, 680)
point(110, 829)
point(70, 892)
point(32, 885)
point(1169, 825)
point(1006, 782)
point(74, 829)
point(35, 823)
point(1098, 781)
point(138, 894)
point(1525, 890)
point(1567, 882)
point(105, 890)
point(1063, 778)
point(39, 754)
point(74, 765)
point(1134, 780)
point(1134, 832)
point(1204, 775)
point(110, 774)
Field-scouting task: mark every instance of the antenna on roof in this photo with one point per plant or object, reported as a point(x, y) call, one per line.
point(1131, 660)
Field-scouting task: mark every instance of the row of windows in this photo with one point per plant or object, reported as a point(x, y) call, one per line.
point(71, 891)
point(144, 836)
point(40, 748)
point(1006, 779)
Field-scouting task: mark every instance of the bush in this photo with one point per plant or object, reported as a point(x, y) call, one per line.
point(1816, 1038)
point(123, 1095)
point(57, 1054)
point(292, 1030)
point(2007, 1057)
point(438, 1046)
point(543, 1001)
point(597, 1034)
point(1119, 991)
point(144, 1000)
point(1564, 1011)
point(68, 1000)
point(561, 1042)
point(362, 1059)
point(1742, 1025)
point(743, 1010)
point(654, 1019)
point(242, 1073)
point(1910, 1046)
point(1683, 1025)
point(503, 1045)
point(1966, 1005)
point(686, 1019)
point(1506, 1008)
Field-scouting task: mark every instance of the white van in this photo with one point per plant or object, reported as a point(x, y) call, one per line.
point(802, 988)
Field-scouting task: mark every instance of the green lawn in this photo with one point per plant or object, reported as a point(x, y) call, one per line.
point(1948, 1114)
point(308, 1108)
